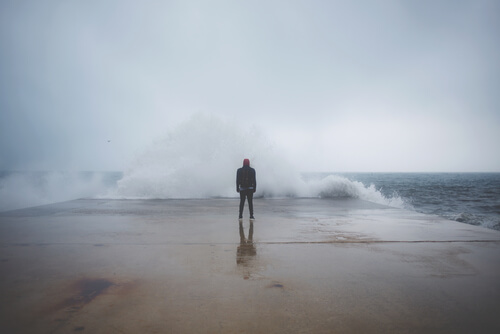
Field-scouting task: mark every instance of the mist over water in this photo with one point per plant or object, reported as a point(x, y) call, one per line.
point(199, 160)
point(25, 189)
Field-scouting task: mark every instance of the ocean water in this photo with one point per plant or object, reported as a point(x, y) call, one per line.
point(470, 198)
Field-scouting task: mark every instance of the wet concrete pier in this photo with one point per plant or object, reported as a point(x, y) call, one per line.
point(189, 266)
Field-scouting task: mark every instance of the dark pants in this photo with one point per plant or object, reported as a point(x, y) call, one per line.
point(246, 194)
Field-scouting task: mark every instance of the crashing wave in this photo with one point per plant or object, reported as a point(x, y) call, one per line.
point(199, 160)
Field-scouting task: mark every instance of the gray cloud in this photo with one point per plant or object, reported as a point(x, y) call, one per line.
point(341, 85)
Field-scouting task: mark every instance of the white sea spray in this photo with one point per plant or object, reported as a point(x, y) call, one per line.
point(26, 189)
point(199, 159)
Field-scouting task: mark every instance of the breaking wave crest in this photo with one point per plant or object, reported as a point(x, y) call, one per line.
point(199, 159)
point(334, 186)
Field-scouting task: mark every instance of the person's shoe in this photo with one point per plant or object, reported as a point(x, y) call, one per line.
point(252, 217)
point(240, 217)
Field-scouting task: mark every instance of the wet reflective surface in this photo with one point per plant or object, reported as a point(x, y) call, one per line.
point(246, 251)
point(189, 266)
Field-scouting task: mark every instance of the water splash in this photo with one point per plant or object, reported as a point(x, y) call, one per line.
point(199, 160)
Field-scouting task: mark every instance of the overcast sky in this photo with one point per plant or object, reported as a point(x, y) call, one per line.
point(337, 85)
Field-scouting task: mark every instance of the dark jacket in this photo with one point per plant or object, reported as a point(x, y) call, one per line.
point(245, 179)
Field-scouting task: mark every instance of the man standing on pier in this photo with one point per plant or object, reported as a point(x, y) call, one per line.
point(246, 184)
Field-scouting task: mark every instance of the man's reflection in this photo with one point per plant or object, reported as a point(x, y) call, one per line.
point(246, 251)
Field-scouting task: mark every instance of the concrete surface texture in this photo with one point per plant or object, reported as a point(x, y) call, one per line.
point(189, 266)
